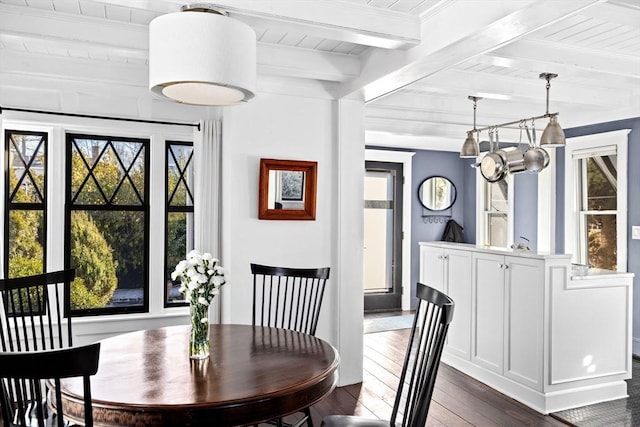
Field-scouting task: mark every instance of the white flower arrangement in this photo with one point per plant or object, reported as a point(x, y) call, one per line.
point(200, 276)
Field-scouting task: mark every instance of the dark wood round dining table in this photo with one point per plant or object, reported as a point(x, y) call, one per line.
point(253, 374)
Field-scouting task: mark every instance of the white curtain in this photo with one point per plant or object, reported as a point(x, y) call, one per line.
point(206, 205)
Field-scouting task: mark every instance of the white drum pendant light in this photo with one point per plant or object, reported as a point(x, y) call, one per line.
point(201, 56)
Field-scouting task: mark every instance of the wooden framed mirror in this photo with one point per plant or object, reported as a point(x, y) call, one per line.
point(287, 189)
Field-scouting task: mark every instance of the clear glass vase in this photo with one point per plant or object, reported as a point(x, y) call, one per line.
point(199, 345)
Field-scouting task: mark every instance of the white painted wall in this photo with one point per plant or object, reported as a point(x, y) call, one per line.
point(279, 127)
point(293, 128)
point(288, 119)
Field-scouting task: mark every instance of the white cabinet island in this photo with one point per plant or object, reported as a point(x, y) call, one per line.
point(525, 326)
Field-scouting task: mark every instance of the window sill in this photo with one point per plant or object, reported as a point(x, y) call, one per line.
point(90, 329)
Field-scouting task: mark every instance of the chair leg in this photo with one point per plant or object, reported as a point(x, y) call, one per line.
point(307, 412)
point(304, 420)
point(275, 422)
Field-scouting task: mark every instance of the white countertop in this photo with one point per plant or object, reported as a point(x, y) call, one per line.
point(496, 250)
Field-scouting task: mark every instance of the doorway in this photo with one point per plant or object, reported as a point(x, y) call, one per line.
point(382, 284)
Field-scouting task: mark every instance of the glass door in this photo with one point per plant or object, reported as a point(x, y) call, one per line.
point(382, 236)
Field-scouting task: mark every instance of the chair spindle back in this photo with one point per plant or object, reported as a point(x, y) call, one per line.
point(32, 318)
point(288, 298)
point(426, 342)
point(36, 366)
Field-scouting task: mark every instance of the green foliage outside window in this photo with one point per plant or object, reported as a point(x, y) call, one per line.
point(124, 231)
point(176, 239)
point(25, 245)
point(92, 257)
point(96, 279)
point(26, 211)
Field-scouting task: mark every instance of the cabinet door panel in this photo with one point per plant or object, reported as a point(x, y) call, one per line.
point(488, 347)
point(525, 320)
point(459, 284)
point(432, 271)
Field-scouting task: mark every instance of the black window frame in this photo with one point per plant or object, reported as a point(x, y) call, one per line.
point(174, 209)
point(13, 206)
point(144, 207)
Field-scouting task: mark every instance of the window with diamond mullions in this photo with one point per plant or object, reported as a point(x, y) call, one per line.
point(107, 223)
point(25, 203)
point(179, 228)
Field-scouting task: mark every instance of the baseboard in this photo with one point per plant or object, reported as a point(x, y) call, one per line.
point(543, 402)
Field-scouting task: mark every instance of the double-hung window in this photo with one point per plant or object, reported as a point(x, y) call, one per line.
point(496, 212)
point(596, 204)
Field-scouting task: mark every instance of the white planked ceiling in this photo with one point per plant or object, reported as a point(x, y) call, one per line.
point(414, 62)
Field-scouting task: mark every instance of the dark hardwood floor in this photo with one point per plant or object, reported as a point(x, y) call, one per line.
point(458, 400)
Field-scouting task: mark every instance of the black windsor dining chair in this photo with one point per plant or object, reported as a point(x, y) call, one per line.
point(37, 366)
point(288, 298)
point(422, 359)
point(33, 317)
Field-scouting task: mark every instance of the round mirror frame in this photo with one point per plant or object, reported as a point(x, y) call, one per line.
point(455, 193)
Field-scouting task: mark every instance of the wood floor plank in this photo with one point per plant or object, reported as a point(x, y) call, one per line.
point(441, 416)
point(458, 400)
point(486, 397)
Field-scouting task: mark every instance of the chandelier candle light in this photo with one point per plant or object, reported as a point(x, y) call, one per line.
point(200, 276)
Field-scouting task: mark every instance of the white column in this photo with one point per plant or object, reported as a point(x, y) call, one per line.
point(349, 186)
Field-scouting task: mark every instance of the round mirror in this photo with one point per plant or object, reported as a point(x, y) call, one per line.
point(437, 193)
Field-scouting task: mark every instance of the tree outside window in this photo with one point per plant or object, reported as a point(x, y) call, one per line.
point(599, 210)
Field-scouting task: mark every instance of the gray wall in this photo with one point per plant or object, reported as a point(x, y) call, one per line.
point(469, 196)
point(429, 163)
